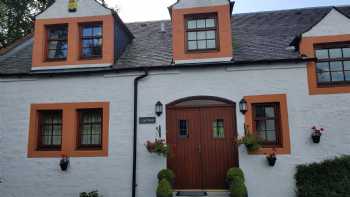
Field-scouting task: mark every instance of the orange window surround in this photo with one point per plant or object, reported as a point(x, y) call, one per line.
point(284, 146)
point(307, 47)
point(70, 130)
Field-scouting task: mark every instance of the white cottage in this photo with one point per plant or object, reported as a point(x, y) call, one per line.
point(85, 85)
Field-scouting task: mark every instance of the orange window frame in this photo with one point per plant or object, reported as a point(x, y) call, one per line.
point(69, 142)
point(284, 147)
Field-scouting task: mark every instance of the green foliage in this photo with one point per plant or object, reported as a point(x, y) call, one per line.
point(90, 194)
point(164, 189)
point(251, 142)
point(330, 178)
point(16, 18)
point(159, 147)
point(233, 173)
point(238, 190)
point(166, 174)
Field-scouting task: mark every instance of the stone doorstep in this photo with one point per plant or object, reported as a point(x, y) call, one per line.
point(208, 194)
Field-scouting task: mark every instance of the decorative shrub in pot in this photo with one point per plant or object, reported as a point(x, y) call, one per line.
point(235, 180)
point(164, 189)
point(233, 174)
point(316, 134)
point(250, 141)
point(168, 175)
point(64, 163)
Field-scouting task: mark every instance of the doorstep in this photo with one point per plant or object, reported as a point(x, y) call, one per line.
point(202, 193)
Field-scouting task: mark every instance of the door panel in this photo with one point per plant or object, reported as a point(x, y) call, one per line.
point(185, 159)
point(201, 159)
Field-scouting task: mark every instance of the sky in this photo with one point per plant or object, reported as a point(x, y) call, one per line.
point(150, 10)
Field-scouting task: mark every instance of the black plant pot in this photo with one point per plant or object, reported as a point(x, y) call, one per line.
point(271, 161)
point(64, 163)
point(316, 138)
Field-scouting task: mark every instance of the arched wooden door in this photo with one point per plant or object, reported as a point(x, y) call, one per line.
point(201, 132)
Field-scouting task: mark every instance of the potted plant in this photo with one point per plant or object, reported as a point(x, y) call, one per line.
point(166, 174)
point(164, 189)
point(233, 176)
point(316, 134)
point(158, 146)
point(64, 162)
point(250, 141)
point(272, 158)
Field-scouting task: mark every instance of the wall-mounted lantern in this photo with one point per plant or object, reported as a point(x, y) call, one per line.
point(159, 108)
point(243, 106)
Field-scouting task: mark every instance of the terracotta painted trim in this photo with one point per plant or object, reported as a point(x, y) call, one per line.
point(73, 54)
point(224, 34)
point(273, 98)
point(307, 48)
point(70, 132)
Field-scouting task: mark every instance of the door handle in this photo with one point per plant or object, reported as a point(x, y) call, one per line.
point(199, 148)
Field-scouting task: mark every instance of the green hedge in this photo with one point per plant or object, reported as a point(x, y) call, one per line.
point(330, 178)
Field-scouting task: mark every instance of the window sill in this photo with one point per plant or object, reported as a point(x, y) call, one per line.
point(202, 51)
point(56, 60)
point(91, 58)
point(89, 148)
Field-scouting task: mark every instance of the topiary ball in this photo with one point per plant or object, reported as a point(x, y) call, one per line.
point(238, 190)
point(164, 189)
point(166, 174)
point(234, 172)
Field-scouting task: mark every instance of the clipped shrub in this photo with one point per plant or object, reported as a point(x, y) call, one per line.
point(238, 189)
point(166, 174)
point(164, 189)
point(233, 173)
point(330, 178)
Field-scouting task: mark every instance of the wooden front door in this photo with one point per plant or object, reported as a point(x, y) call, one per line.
point(202, 145)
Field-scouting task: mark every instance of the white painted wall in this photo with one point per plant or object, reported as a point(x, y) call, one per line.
point(22, 177)
point(335, 23)
point(199, 3)
point(85, 8)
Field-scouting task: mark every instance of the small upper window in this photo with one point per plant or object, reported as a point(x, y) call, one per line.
point(201, 32)
point(183, 128)
point(57, 42)
point(218, 128)
point(91, 40)
point(333, 64)
point(90, 128)
point(267, 124)
point(50, 129)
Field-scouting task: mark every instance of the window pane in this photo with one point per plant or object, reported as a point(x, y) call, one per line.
point(337, 76)
point(96, 139)
point(192, 35)
point(60, 54)
point(192, 45)
point(87, 31)
point(346, 52)
point(87, 52)
point(87, 43)
point(201, 23)
point(97, 51)
point(202, 44)
point(46, 130)
point(191, 24)
point(201, 35)
point(335, 53)
point(269, 112)
point(322, 54)
point(259, 111)
point(98, 31)
point(46, 140)
point(271, 136)
point(183, 128)
point(323, 77)
point(218, 128)
point(270, 125)
point(97, 42)
point(211, 44)
point(56, 140)
point(85, 139)
point(56, 33)
point(57, 130)
point(210, 23)
point(322, 67)
point(210, 34)
point(336, 66)
point(347, 75)
point(260, 126)
point(96, 129)
point(346, 65)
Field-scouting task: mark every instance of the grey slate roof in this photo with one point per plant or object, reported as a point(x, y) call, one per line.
point(260, 36)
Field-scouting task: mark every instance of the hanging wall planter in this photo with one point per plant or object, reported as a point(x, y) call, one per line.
point(316, 134)
point(272, 158)
point(64, 163)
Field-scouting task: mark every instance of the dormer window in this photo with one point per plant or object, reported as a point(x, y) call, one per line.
point(57, 42)
point(201, 32)
point(91, 40)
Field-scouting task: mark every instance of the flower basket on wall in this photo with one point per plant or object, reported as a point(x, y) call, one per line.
point(158, 146)
point(316, 134)
point(64, 163)
point(272, 158)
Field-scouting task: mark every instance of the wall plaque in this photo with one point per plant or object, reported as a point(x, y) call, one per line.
point(147, 120)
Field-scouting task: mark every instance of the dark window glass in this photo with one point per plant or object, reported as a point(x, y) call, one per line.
point(333, 64)
point(266, 120)
point(50, 129)
point(201, 32)
point(91, 40)
point(218, 128)
point(57, 42)
point(183, 128)
point(90, 128)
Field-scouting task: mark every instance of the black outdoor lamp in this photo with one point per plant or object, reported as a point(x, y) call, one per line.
point(159, 108)
point(243, 106)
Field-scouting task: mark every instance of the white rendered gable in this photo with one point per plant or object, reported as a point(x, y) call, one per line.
point(199, 3)
point(334, 23)
point(85, 8)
